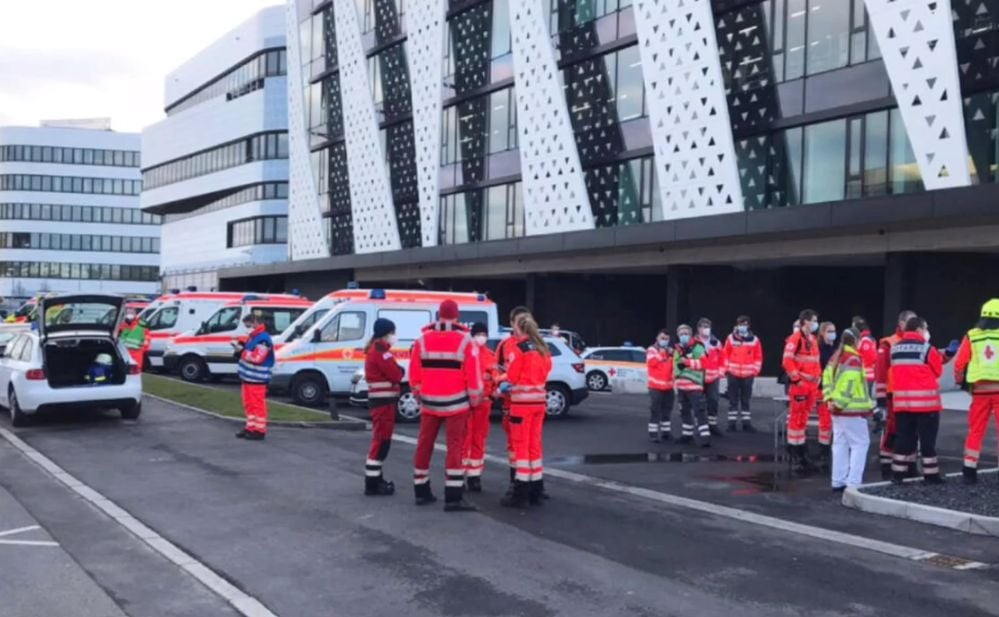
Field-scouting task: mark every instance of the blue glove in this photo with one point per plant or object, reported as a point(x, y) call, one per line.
point(505, 387)
point(952, 347)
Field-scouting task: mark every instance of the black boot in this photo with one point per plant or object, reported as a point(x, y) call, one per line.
point(518, 496)
point(806, 462)
point(536, 492)
point(886, 473)
point(454, 500)
point(898, 477)
point(685, 439)
point(473, 484)
point(654, 438)
point(241, 434)
point(933, 478)
point(255, 436)
point(798, 467)
point(826, 460)
point(970, 475)
point(665, 436)
point(378, 487)
point(913, 470)
point(747, 427)
point(714, 430)
point(732, 426)
point(424, 496)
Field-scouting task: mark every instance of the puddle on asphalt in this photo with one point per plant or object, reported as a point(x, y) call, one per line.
point(661, 457)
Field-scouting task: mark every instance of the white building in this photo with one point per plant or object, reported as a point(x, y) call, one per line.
point(216, 167)
point(69, 212)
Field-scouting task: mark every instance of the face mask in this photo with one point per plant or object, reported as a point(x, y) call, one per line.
point(663, 342)
point(481, 339)
point(705, 332)
point(926, 336)
point(743, 330)
point(392, 339)
point(813, 326)
point(684, 339)
point(830, 337)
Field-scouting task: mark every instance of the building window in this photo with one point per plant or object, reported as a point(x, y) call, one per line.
point(78, 242)
point(246, 77)
point(55, 154)
point(68, 184)
point(258, 230)
point(58, 212)
point(57, 270)
point(258, 147)
point(504, 216)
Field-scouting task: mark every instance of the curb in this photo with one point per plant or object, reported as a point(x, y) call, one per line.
point(335, 425)
point(967, 522)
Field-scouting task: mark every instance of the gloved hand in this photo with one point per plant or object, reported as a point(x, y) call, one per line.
point(505, 387)
point(882, 403)
point(952, 347)
point(681, 364)
point(879, 419)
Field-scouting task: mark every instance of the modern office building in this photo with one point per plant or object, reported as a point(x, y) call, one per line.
point(621, 165)
point(69, 212)
point(216, 168)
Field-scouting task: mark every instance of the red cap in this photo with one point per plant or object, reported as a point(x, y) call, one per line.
point(448, 310)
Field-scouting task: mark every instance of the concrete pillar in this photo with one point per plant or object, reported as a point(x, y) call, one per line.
point(675, 296)
point(896, 293)
point(530, 292)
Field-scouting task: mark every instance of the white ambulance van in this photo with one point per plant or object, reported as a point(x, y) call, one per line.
point(324, 359)
point(208, 351)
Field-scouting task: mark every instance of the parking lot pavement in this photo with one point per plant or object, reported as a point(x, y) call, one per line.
point(285, 521)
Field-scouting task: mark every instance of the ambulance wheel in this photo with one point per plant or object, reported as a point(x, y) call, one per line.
point(408, 409)
point(558, 401)
point(309, 389)
point(192, 369)
point(596, 381)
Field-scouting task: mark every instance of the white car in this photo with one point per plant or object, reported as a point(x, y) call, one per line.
point(566, 385)
point(604, 364)
point(46, 368)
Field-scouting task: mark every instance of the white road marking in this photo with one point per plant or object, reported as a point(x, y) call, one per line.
point(242, 602)
point(12, 532)
point(771, 522)
point(28, 543)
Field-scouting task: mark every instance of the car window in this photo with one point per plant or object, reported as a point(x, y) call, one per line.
point(14, 349)
point(309, 321)
point(637, 356)
point(555, 351)
point(165, 318)
point(224, 320)
point(408, 323)
point(470, 318)
point(595, 355)
point(279, 318)
point(617, 355)
point(346, 326)
point(24, 353)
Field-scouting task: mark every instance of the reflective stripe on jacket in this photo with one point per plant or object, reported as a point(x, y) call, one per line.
point(659, 362)
point(845, 385)
point(444, 370)
point(801, 358)
point(257, 358)
point(743, 355)
point(914, 375)
point(882, 376)
point(965, 358)
point(383, 374)
point(868, 350)
point(690, 378)
point(527, 372)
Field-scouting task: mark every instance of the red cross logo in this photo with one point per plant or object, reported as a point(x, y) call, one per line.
point(989, 354)
point(612, 372)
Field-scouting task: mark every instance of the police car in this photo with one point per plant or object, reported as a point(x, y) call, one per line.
point(606, 363)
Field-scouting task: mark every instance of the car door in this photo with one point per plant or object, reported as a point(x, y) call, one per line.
point(342, 347)
point(7, 363)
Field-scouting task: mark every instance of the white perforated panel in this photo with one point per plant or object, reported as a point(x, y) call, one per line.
point(688, 111)
point(425, 46)
point(917, 41)
point(555, 197)
point(375, 227)
point(307, 230)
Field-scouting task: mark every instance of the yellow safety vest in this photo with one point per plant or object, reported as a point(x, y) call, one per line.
point(984, 365)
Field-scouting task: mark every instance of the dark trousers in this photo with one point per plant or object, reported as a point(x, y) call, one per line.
point(712, 392)
point(916, 430)
point(740, 391)
point(692, 408)
point(660, 410)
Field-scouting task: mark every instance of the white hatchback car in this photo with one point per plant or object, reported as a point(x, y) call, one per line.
point(46, 368)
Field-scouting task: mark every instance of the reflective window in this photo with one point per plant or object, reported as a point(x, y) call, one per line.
point(259, 147)
point(242, 79)
point(258, 230)
point(77, 242)
point(56, 154)
point(68, 184)
point(825, 147)
point(905, 175)
point(502, 120)
point(56, 270)
point(828, 35)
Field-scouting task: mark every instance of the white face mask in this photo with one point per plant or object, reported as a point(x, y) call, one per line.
point(813, 326)
point(481, 339)
point(392, 339)
point(926, 336)
point(706, 332)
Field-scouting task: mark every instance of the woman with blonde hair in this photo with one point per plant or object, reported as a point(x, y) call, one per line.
point(845, 391)
point(526, 375)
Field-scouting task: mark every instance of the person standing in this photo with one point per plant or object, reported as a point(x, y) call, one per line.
point(743, 360)
point(256, 361)
point(867, 347)
point(133, 335)
point(883, 394)
point(528, 364)
point(714, 367)
point(478, 421)
point(659, 363)
point(801, 363)
point(689, 370)
point(444, 376)
point(501, 366)
point(977, 367)
point(849, 400)
point(827, 348)
point(915, 372)
point(384, 377)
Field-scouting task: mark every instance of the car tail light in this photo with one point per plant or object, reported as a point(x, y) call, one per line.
point(579, 366)
point(35, 374)
point(134, 369)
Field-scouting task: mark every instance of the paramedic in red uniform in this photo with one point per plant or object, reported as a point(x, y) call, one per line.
point(713, 364)
point(801, 363)
point(867, 348)
point(977, 365)
point(501, 365)
point(882, 392)
point(445, 377)
point(384, 376)
point(478, 422)
point(743, 362)
point(256, 360)
point(659, 362)
point(528, 364)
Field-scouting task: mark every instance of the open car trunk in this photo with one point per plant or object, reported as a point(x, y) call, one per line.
point(67, 360)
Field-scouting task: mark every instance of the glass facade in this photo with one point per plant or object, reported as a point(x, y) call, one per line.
point(246, 77)
point(259, 147)
point(62, 270)
point(79, 242)
point(79, 214)
point(258, 230)
point(256, 192)
point(69, 184)
point(69, 156)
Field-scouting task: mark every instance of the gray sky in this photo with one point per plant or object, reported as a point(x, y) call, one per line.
point(102, 58)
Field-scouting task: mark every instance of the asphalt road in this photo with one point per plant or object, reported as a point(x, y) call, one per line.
point(285, 521)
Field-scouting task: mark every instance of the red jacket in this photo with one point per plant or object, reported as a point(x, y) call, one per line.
point(801, 359)
point(659, 362)
point(490, 371)
point(868, 350)
point(383, 375)
point(743, 355)
point(961, 362)
point(714, 360)
point(882, 375)
point(444, 370)
point(527, 371)
point(914, 373)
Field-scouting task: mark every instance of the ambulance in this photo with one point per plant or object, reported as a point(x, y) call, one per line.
point(209, 350)
point(606, 364)
point(182, 312)
point(324, 359)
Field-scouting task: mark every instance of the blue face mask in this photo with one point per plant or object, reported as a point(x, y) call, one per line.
point(663, 343)
point(684, 339)
point(830, 337)
point(814, 326)
point(743, 330)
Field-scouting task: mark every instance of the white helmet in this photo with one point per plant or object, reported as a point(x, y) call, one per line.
point(104, 358)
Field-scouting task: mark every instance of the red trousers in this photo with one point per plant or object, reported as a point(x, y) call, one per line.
point(455, 426)
point(526, 426)
point(138, 356)
point(825, 424)
point(983, 408)
point(475, 439)
point(382, 427)
point(804, 395)
point(255, 406)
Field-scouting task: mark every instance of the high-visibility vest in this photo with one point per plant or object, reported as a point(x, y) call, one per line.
point(845, 385)
point(984, 365)
point(691, 376)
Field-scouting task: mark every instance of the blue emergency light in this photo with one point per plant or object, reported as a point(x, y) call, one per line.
point(353, 285)
point(175, 291)
point(481, 297)
point(192, 288)
point(377, 294)
point(250, 298)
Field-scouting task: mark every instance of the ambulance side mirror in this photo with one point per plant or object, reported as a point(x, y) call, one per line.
point(317, 336)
